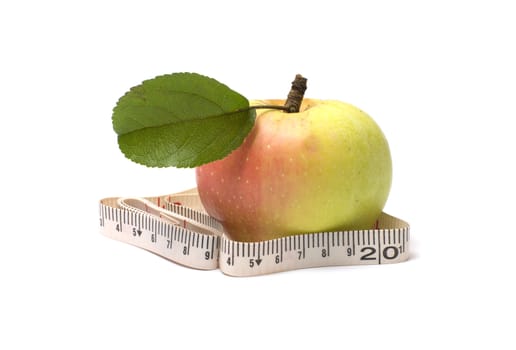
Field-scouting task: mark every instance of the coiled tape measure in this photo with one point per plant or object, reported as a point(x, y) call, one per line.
point(177, 228)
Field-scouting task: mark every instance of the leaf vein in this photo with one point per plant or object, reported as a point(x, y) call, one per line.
point(182, 121)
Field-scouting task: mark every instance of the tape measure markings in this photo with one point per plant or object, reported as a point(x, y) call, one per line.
point(192, 238)
point(152, 233)
point(334, 248)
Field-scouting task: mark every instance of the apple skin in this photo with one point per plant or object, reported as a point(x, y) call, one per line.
point(326, 168)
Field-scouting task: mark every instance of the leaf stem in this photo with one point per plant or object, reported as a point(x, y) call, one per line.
point(283, 108)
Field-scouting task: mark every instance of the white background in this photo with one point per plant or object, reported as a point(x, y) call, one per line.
point(438, 76)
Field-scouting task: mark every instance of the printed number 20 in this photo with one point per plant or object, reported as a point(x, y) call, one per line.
point(388, 253)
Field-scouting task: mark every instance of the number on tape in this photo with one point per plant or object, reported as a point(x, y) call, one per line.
point(177, 228)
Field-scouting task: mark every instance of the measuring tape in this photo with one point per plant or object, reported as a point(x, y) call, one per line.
point(177, 228)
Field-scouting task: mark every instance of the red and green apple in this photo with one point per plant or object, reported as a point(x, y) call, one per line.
point(325, 168)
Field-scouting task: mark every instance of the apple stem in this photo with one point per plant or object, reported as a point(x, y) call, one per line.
point(295, 96)
point(294, 99)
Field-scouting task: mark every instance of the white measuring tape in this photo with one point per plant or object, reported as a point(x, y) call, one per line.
point(177, 228)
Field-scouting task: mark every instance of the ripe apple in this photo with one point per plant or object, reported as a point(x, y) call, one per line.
point(326, 168)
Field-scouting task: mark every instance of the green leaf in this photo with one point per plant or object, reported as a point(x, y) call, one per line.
point(181, 120)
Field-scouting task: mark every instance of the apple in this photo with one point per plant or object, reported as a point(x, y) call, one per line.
point(325, 168)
